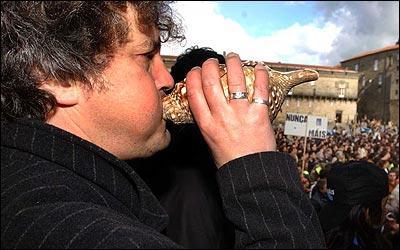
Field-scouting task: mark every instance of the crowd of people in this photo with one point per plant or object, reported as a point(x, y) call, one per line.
point(367, 140)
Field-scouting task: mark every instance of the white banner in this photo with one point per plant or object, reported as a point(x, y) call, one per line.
point(300, 124)
point(295, 124)
point(317, 127)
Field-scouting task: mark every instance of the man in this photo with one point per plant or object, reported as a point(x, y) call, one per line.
point(81, 91)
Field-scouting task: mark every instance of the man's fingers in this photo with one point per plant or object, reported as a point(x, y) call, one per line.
point(212, 88)
point(195, 95)
point(261, 82)
point(236, 81)
point(261, 85)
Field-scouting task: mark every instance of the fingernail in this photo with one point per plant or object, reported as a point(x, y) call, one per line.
point(195, 67)
point(260, 66)
point(213, 59)
point(231, 54)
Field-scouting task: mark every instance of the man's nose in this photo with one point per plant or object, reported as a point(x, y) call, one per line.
point(163, 78)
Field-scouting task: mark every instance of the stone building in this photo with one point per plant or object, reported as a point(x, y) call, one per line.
point(378, 86)
point(333, 95)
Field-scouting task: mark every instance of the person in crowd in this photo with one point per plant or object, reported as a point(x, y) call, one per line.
point(319, 172)
point(81, 90)
point(393, 178)
point(305, 181)
point(383, 160)
point(354, 216)
point(391, 227)
point(392, 208)
point(185, 183)
point(293, 153)
point(320, 196)
point(340, 156)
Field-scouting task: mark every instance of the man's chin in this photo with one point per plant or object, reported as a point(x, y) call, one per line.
point(167, 139)
point(160, 144)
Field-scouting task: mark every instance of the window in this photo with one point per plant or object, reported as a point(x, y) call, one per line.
point(356, 67)
point(376, 62)
point(363, 81)
point(389, 61)
point(338, 117)
point(342, 92)
point(341, 89)
point(380, 79)
point(396, 92)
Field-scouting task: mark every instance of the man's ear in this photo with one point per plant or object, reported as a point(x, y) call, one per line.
point(66, 94)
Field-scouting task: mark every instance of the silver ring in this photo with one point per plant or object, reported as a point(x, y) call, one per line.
point(260, 101)
point(238, 95)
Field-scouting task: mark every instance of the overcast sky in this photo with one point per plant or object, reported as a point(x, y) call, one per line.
point(315, 33)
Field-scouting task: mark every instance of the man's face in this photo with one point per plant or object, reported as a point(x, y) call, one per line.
point(392, 178)
point(324, 189)
point(126, 117)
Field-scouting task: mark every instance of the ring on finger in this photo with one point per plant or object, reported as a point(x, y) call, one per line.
point(238, 95)
point(260, 101)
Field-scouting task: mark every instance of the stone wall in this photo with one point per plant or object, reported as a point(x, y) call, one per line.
point(378, 86)
point(394, 91)
point(320, 106)
point(341, 85)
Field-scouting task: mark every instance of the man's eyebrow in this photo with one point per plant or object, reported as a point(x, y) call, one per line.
point(150, 45)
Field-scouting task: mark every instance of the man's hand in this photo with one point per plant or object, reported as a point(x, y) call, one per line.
point(232, 128)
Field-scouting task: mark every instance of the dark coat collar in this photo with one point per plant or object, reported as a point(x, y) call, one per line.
point(78, 155)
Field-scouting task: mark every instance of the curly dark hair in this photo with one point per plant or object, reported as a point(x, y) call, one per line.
point(66, 41)
point(193, 56)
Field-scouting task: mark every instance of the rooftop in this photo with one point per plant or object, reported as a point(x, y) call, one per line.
point(372, 52)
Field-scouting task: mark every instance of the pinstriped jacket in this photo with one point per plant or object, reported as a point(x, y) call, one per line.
point(59, 191)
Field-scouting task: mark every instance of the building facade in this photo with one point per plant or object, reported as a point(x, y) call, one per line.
point(333, 95)
point(378, 86)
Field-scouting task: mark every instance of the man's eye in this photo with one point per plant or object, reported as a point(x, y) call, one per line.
point(149, 55)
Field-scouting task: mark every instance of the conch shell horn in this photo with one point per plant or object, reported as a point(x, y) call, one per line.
point(176, 106)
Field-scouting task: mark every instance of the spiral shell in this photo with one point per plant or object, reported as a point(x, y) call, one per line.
point(176, 106)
